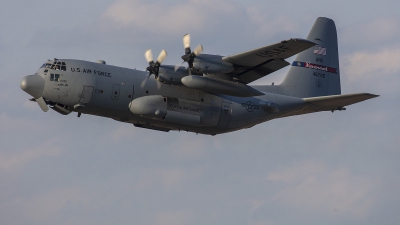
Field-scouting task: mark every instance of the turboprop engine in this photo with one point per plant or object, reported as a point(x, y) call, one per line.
point(171, 75)
point(211, 64)
point(203, 63)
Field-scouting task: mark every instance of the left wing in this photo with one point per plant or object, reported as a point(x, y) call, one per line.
point(254, 64)
point(329, 103)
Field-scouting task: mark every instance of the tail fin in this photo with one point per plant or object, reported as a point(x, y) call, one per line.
point(315, 71)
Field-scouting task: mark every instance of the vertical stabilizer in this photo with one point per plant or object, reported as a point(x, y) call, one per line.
point(315, 71)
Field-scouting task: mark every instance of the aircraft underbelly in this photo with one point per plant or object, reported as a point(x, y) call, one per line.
point(185, 109)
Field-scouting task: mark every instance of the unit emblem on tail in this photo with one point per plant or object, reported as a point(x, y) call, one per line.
point(314, 66)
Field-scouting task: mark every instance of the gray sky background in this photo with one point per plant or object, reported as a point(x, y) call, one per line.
point(324, 168)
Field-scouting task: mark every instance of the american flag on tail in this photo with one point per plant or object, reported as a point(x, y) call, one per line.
point(320, 51)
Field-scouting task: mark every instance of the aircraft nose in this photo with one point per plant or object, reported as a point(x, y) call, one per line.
point(33, 85)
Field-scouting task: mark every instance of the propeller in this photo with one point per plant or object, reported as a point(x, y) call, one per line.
point(179, 66)
point(189, 55)
point(41, 102)
point(154, 67)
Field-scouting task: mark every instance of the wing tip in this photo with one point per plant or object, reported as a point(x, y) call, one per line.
point(372, 95)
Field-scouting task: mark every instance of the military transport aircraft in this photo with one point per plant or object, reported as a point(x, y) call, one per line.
point(210, 96)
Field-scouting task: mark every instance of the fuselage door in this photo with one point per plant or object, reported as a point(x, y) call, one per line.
point(86, 94)
point(225, 116)
point(115, 92)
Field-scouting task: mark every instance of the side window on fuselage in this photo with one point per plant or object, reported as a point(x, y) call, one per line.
point(55, 77)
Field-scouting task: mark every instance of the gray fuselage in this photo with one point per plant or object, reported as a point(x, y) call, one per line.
point(107, 91)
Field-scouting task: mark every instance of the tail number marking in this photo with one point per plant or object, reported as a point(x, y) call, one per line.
point(317, 74)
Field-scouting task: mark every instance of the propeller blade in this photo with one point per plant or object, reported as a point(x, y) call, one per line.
point(189, 55)
point(148, 55)
point(162, 56)
point(144, 82)
point(177, 66)
point(198, 50)
point(42, 104)
point(158, 84)
point(186, 41)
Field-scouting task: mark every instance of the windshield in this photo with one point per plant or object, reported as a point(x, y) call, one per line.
point(55, 66)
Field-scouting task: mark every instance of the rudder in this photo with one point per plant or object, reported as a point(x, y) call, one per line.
point(315, 71)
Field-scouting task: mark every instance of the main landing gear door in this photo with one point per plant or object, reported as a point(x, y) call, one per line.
point(86, 94)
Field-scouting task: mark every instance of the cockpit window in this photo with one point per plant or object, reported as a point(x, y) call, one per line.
point(57, 66)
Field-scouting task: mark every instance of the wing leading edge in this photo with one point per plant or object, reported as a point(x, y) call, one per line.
point(254, 64)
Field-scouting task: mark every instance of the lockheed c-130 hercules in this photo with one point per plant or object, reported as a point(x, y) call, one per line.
point(210, 96)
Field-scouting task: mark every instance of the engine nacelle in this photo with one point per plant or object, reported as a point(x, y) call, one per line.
point(211, 64)
point(168, 75)
point(167, 109)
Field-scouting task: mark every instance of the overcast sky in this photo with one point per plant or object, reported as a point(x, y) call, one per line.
point(323, 168)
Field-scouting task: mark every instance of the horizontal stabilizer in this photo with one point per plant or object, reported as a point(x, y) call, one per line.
point(335, 102)
point(329, 103)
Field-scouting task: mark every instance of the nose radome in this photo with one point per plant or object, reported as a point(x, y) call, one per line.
point(33, 85)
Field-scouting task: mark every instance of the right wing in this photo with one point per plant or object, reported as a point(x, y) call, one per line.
point(254, 64)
